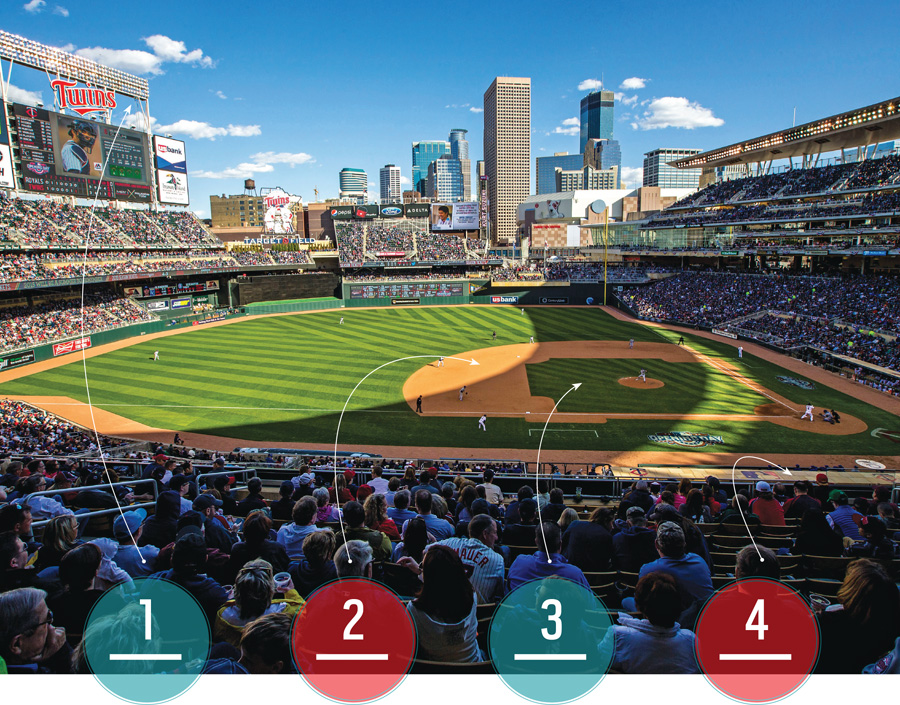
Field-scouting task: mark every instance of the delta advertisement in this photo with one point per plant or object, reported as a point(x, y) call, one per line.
point(171, 171)
point(454, 216)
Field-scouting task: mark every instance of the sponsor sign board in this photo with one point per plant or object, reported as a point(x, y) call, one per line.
point(210, 319)
point(16, 360)
point(82, 100)
point(7, 179)
point(170, 154)
point(212, 283)
point(71, 346)
point(556, 208)
point(158, 305)
point(454, 216)
point(870, 464)
point(874, 253)
point(403, 302)
point(417, 210)
point(133, 291)
point(724, 333)
point(367, 211)
point(554, 300)
point(183, 302)
point(341, 212)
point(391, 210)
point(729, 253)
point(686, 440)
point(173, 188)
point(504, 299)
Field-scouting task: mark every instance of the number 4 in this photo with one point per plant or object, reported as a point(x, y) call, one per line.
point(758, 613)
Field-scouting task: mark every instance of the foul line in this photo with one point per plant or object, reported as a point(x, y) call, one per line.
point(567, 430)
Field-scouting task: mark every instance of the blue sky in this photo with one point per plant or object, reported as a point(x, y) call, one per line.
point(289, 93)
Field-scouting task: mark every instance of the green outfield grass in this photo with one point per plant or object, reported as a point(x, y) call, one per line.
point(286, 378)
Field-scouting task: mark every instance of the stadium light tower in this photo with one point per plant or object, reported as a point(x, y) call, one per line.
point(599, 206)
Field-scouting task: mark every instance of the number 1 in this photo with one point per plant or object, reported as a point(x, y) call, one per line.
point(760, 627)
point(349, 635)
point(147, 619)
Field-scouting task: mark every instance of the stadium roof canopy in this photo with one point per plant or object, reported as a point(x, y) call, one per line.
point(861, 127)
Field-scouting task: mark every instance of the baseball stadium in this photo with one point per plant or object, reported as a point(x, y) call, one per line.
point(715, 381)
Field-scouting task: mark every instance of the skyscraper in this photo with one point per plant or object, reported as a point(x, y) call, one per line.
point(354, 184)
point(545, 167)
point(390, 184)
point(507, 151)
point(459, 148)
point(445, 179)
point(597, 110)
point(603, 154)
point(423, 153)
point(657, 171)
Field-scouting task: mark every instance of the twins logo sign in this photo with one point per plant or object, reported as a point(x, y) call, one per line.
point(803, 384)
point(687, 439)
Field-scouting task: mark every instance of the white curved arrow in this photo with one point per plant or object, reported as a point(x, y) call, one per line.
point(734, 486)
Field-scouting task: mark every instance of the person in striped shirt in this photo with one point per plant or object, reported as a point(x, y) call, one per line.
point(478, 555)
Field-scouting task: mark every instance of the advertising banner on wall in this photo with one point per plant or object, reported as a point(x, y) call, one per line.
point(158, 305)
point(454, 216)
point(184, 302)
point(417, 210)
point(341, 212)
point(71, 346)
point(391, 210)
point(173, 188)
point(171, 170)
point(16, 360)
point(367, 211)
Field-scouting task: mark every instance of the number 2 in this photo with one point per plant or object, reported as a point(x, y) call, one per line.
point(348, 634)
point(554, 618)
point(759, 614)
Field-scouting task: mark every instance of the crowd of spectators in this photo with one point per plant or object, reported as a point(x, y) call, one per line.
point(250, 258)
point(437, 246)
point(350, 241)
point(290, 256)
point(359, 241)
point(28, 431)
point(27, 326)
point(449, 545)
point(382, 238)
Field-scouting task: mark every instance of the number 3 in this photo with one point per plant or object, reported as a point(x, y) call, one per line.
point(348, 634)
point(760, 627)
point(554, 618)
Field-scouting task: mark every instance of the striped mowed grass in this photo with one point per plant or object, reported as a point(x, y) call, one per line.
point(286, 378)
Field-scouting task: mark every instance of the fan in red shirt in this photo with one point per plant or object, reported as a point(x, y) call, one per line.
point(766, 507)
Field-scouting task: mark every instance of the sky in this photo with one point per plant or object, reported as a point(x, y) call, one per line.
point(289, 93)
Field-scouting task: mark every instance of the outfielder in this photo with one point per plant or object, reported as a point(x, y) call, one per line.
point(341, 322)
point(156, 354)
point(481, 422)
point(532, 338)
point(740, 351)
point(808, 412)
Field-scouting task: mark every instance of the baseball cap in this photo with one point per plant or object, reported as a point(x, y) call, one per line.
point(287, 485)
point(219, 461)
point(306, 478)
point(481, 506)
point(836, 495)
point(160, 457)
point(177, 482)
point(641, 485)
point(654, 485)
point(187, 530)
point(349, 474)
point(763, 486)
point(821, 479)
point(129, 522)
point(205, 501)
point(632, 511)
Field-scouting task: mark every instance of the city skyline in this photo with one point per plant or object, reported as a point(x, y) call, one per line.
point(250, 103)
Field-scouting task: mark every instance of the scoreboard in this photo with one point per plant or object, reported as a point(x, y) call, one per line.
point(409, 290)
point(50, 142)
point(176, 288)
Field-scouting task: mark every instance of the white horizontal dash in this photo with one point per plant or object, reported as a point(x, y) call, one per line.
point(351, 657)
point(145, 657)
point(550, 657)
point(754, 657)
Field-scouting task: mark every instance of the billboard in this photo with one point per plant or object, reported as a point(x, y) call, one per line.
point(391, 210)
point(454, 216)
point(71, 346)
point(171, 171)
point(417, 210)
point(65, 155)
point(341, 212)
point(547, 210)
point(184, 302)
point(279, 217)
point(16, 360)
point(368, 211)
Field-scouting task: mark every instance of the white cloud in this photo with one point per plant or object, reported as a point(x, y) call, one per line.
point(625, 100)
point(404, 181)
point(476, 110)
point(136, 121)
point(261, 163)
point(20, 95)
point(676, 112)
point(220, 94)
point(634, 83)
point(200, 213)
point(164, 50)
point(204, 131)
point(283, 158)
point(590, 84)
point(570, 126)
point(34, 6)
point(60, 10)
point(633, 176)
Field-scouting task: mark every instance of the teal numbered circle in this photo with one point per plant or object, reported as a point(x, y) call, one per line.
point(146, 643)
point(547, 641)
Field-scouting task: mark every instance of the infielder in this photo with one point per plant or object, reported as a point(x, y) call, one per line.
point(156, 355)
point(681, 340)
point(643, 375)
point(440, 362)
point(462, 391)
point(631, 344)
point(481, 422)
point(808, 412)
point(740, 351)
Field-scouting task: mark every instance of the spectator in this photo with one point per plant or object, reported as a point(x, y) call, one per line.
point(160, 529)
point(256, 545)
point(440, 528)
point(766, 507)
point(355, 516)
point(690, 571)
point(354, 560)
point(567, 518)
point(291, 535)
point(492, 493)
point(695, 509)
point(127, 529)
point(798, 505)
point(317, 565)
point(875, 543)
point(634, 545)
point(522, 533)
point(656, 643)
point(415, 539)
point(60, 537)
point(400, 512)
point(483, 564)
point(640, 496)
point(376, 510)
point(378, 484)
point(588, 545)
point(325, 511)
point(265, 649)
point(845, 520)
point(445, 613)
point(77, 574)
point(284, 505)
point(217, 536)
point(512, 510)
point(546, 562)
point(29, 643)
point(816, 538)
point(253, 500)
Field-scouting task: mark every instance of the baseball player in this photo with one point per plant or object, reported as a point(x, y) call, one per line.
point(643, 375)
point(440, 362)
point(532, 338)
point(481, 422)
point(523, 311)
point(341, 321)
point(74, 152)
point(808, 412)
point(681, 340)
point(494, 335)
point(155, 355)
point(462, 391)
point(740, 351)
point(631, 344)
point(419, 405)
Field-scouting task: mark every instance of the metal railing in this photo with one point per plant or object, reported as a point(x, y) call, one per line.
point(96, 488)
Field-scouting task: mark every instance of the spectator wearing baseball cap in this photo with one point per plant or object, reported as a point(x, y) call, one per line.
point(222, 484)
point(217, 536)
point(822, 488)
point(690, 571)
point(766, 507)
point(138, 563)
point(801, 502)
point(181, 485)
point(635, 544)
point(254, 500)
point(845, 520)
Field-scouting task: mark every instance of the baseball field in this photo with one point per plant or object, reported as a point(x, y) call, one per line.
point(285, 379)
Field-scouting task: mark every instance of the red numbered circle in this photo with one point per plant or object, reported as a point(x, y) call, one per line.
point(757, 640)
point(354, 641)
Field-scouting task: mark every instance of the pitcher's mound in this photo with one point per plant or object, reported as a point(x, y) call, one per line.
point(637, 383)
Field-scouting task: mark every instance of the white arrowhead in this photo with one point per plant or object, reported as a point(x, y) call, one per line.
point(576, 385)
point(128, 110)
point(473, 362)
point(786, 471)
